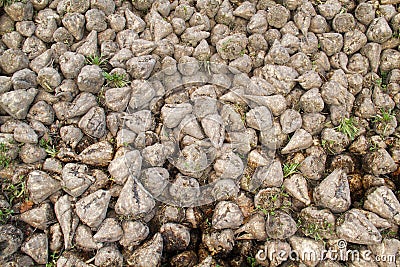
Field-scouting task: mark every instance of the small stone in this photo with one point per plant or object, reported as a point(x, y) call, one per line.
point(16, 103)
point(290, 121)
point(277, 16)
point(379, 162)
point(71, 135)
point(311, 101)
point(90, 46)
point(19, 11)
point(270, 176)
point(30, 153)
point(299, 141)
point(67, 219)
point(254, 228)
point(280, 226)
point(313, 218)
point(84, 238)
point(379, 31)
point(95, 20)
point(24, 79)
point(11, 239)
point(383, 202)
point(172, 114)
point(354, 227)
point(334, 192)
point(37, 248)
point(40, 186)
point(296, 186)
point(109, 231)
point(76, 179)
point(93, 208)
point(149, 254)
point(227, 215)
point(117, 98)
point(232, 46)
point(175, 236)
point(130, 163)
point(306, 247)
point(219, 241)
point(259, 118)
point(71, 64)
point(98, 154)
point(140, 67)
point(134, 233)
point(133, 200)
point(90, 79)
point(23, 133)
point(93, 123)
point(75, 24)
point(39, 217)
point(109, 256)
point(41, 111)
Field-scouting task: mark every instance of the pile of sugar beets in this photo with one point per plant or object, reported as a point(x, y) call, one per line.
point(199, 133)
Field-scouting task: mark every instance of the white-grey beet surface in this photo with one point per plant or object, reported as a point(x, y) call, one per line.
point(199, 133)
